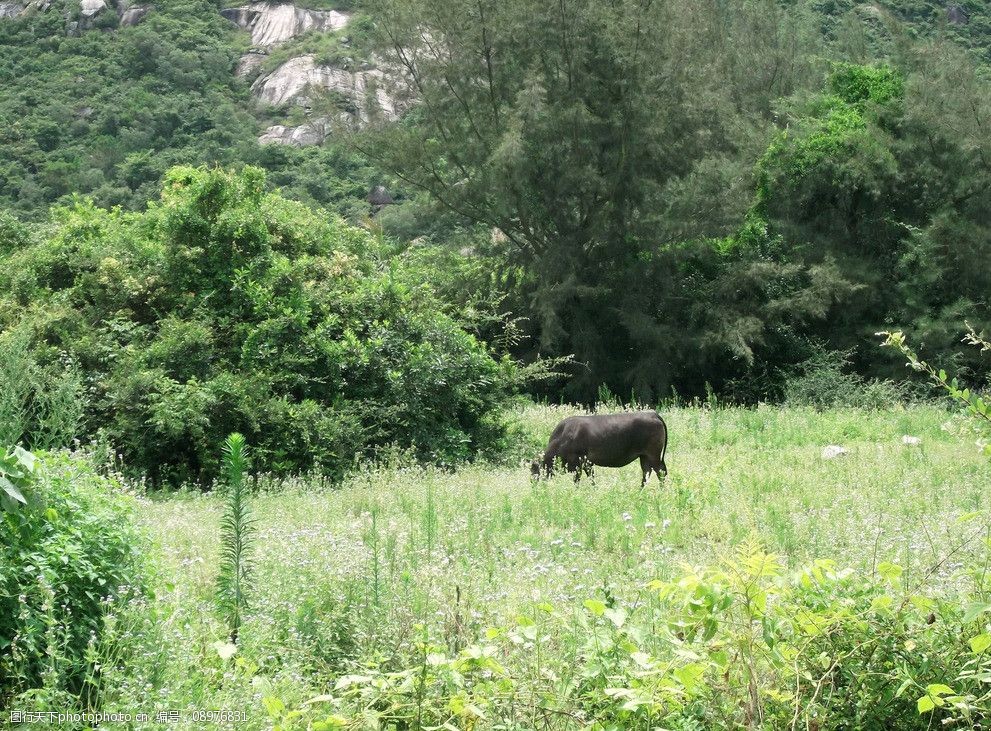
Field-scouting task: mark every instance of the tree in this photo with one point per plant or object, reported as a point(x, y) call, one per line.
point(604, 146)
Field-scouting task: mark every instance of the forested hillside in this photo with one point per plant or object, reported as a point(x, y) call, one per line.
point(678, 196)
point(293, 292)
point(104, 109)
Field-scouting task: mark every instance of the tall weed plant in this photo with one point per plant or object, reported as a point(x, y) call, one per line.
point(237, 532)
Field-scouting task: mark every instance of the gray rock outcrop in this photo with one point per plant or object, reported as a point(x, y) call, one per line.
point(89, 12)
point(957, 15)
point(379, 197)
point(364, 90)
point(249, 63)
point(309, 133)
point(271, 24)
point(17, 9)
point(134, 15)
point(91, 8)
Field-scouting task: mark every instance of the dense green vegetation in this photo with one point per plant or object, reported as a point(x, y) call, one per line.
point(675, 195)
point(678, 207)
point(717, 207)
point(224, 308)
point(106, 112)
point(68, 557)
point(439, 596)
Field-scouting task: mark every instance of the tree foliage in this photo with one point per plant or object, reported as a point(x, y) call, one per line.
point(677, 208)
point(225, 308)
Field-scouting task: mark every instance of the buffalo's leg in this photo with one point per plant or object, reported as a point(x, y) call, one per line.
point(652, 464)
point(574, 466)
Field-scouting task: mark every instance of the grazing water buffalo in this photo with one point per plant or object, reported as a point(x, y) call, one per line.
point(608, 440)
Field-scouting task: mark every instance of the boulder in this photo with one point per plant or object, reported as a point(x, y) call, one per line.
point(249, 63)
point(834, 450)
point(134, 15)
point(310, 133)
point(362, 90)
point(271, 24)
point(379, 196)
point(957, 15)
point(910, 441)
point(91, 8)
point(88, 11)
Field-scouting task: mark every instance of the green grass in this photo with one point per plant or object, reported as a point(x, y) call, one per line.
point(350, 574)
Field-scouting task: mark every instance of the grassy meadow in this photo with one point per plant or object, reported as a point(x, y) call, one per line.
point(352, 576)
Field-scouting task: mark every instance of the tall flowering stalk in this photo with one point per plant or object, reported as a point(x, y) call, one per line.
point(236, 537)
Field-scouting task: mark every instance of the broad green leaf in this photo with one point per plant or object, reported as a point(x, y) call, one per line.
point(595, 607)
point(619, 693)
point(980, 643)
point(889, 571)
point(969, 516)
point(226, 650)
point(329, 723)
point(616, 616)
point(8, 487)
point(319, 699)
point(925, 704)
point(273, 705)
point(975, 610)
point(922, 603)
point(25, 457)
point(881, 603)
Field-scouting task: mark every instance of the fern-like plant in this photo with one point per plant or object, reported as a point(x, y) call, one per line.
point(236, 537)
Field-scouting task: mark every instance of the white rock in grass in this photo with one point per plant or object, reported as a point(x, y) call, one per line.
point(911, 441)
point(833, 450)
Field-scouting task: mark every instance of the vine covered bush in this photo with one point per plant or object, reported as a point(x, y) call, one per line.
point(224, 308)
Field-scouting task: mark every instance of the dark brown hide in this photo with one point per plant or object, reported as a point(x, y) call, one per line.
point(607, 440)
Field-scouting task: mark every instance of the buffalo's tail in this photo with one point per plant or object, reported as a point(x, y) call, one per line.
point(664, 447)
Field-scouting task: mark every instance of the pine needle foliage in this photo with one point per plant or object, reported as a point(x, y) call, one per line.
point(236, 537)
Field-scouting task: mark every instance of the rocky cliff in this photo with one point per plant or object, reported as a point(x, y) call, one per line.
point(88, 12)
point(362, 90)
point(271, 24)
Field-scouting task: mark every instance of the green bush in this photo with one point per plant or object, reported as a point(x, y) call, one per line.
point(39, 406)
point(825, 381)
point(227, 309)
point(66, 559)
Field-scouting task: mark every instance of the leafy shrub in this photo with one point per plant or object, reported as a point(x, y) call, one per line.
point(823, 382)
point(64, 563)
point(972, 403)
point(855, 83)
point(17, 472)
point(39, 406)
point(226, 309)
